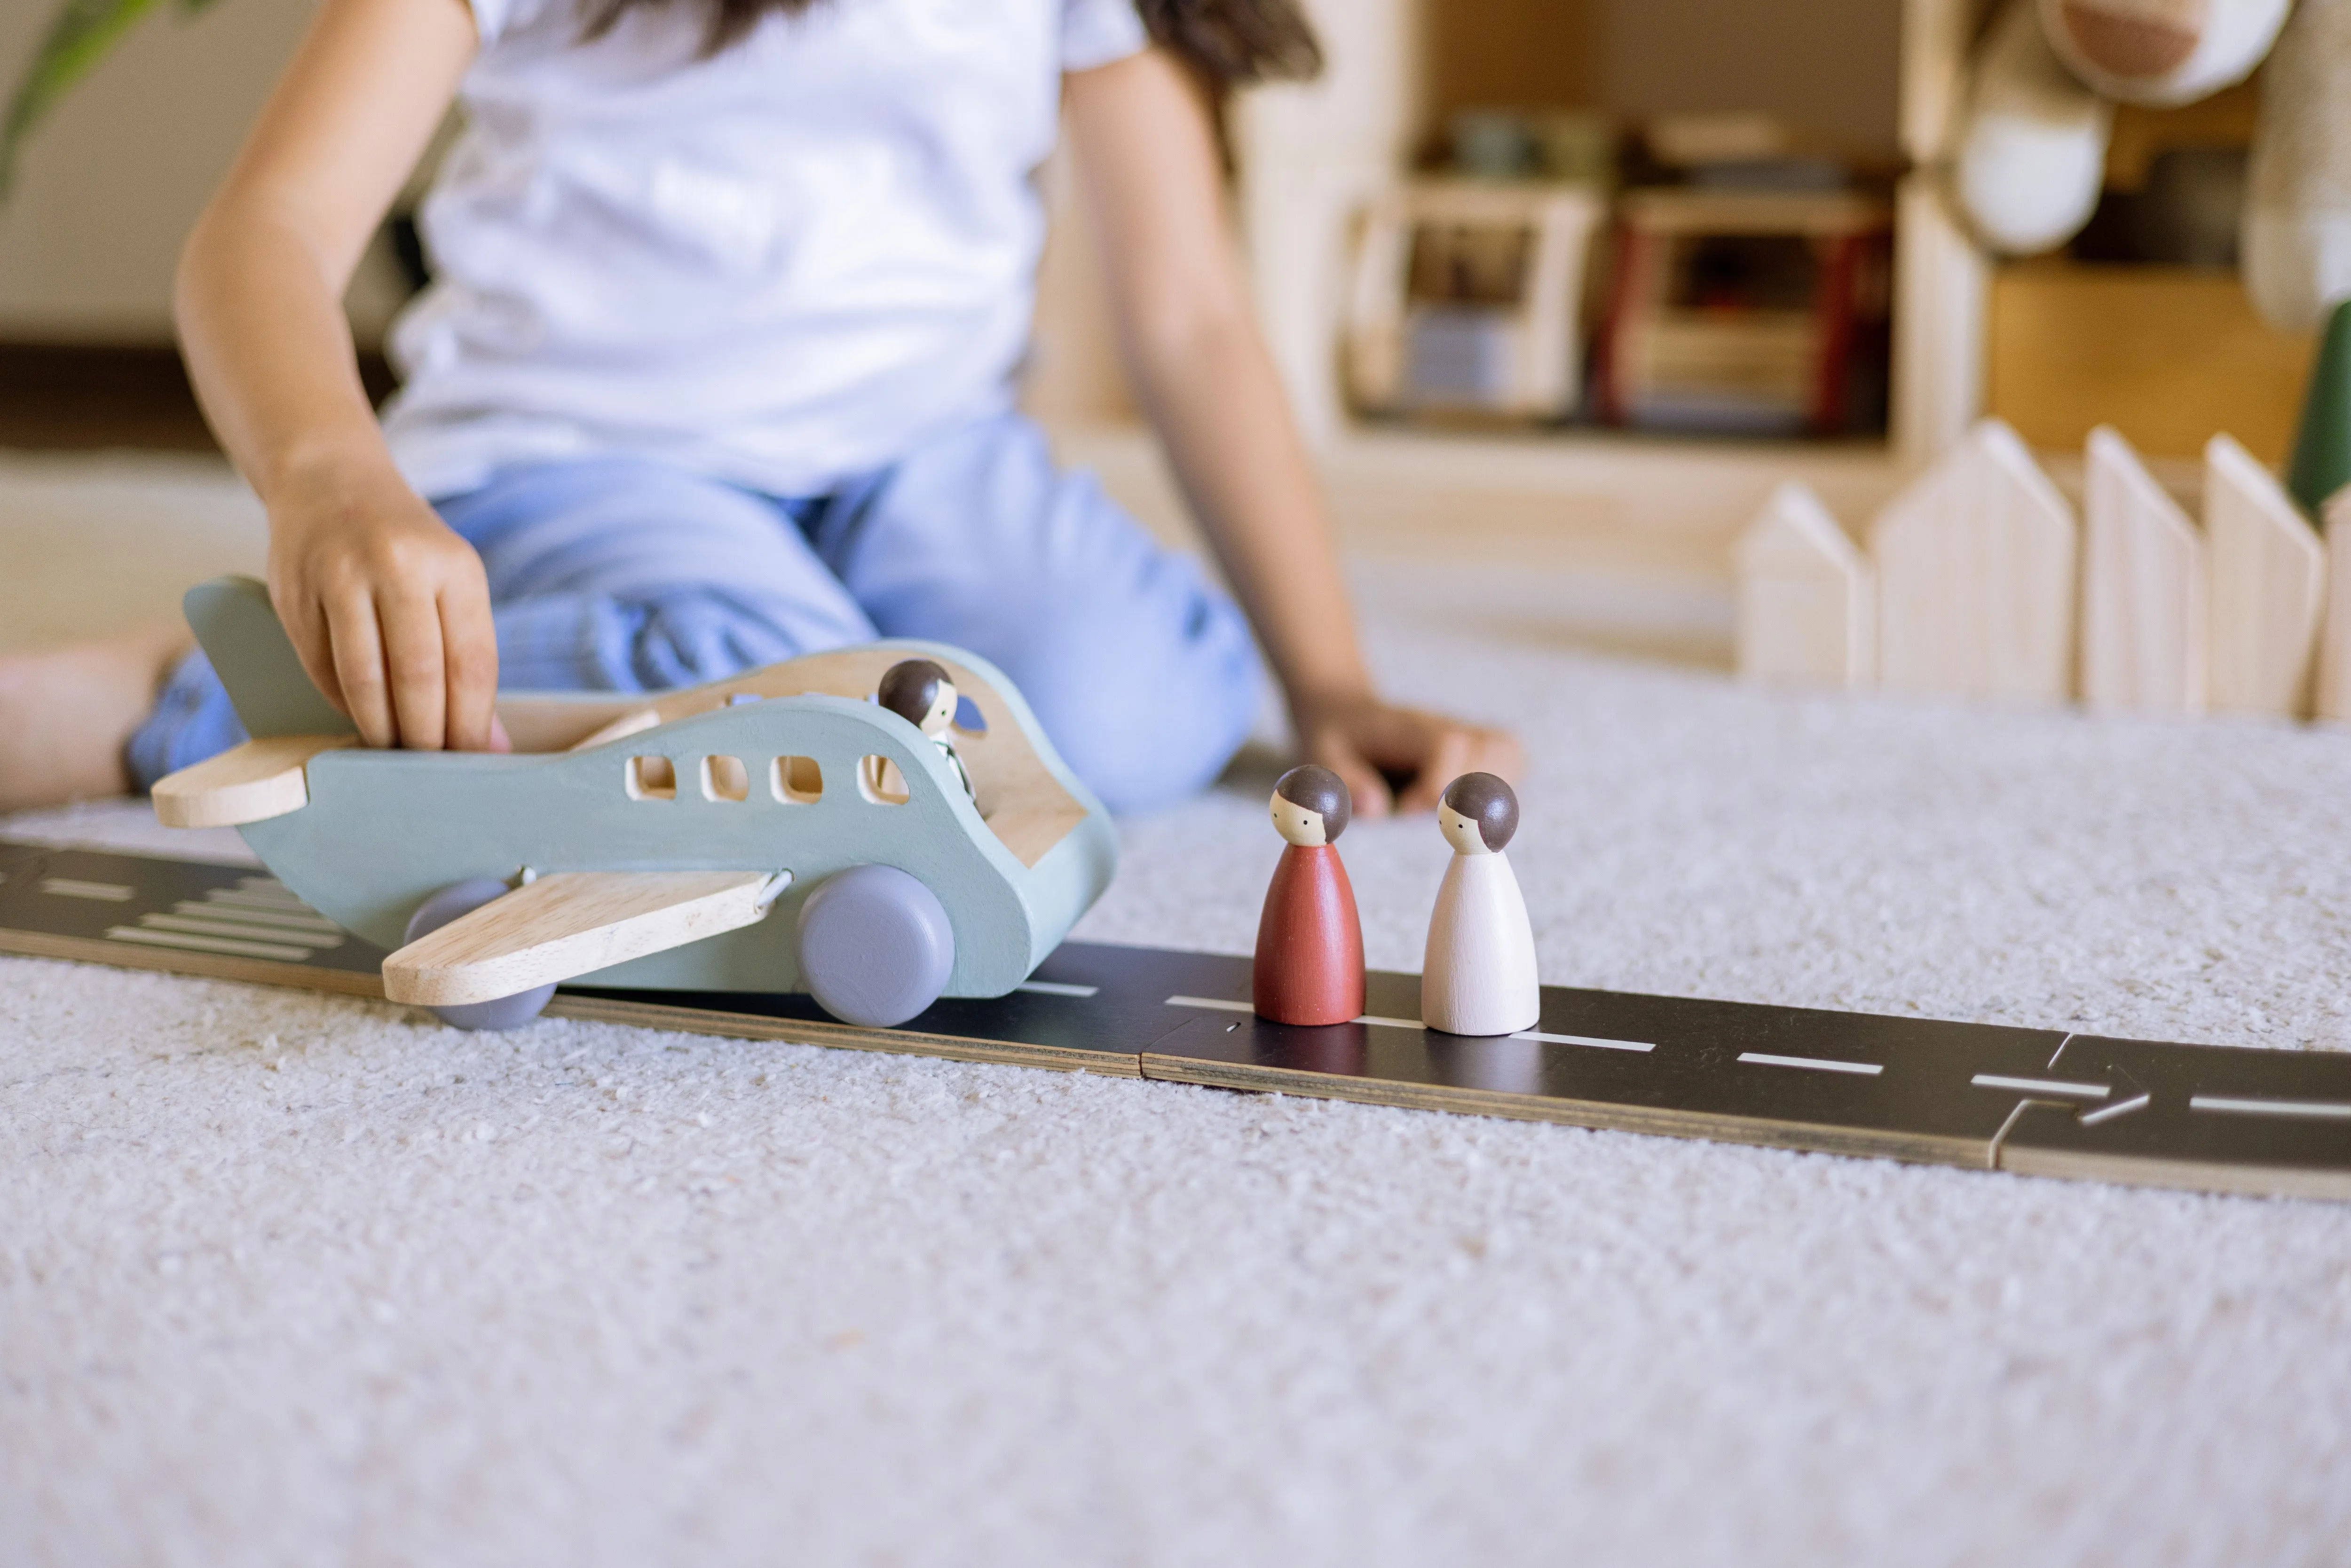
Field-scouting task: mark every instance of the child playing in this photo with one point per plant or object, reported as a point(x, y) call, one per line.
point(716, 369)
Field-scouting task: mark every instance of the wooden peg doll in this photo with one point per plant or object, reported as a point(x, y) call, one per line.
point(919, 692)
point(1309, 944)
point(1478, 977)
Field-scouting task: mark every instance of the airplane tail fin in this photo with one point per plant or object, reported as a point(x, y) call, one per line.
point(239, 628)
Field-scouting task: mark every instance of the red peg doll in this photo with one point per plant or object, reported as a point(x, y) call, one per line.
point(1309, 944)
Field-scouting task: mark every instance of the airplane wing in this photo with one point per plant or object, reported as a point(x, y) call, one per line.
point(249, 783)
point(569, 924)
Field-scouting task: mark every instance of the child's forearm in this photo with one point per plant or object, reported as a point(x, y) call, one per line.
point(259, 292)
point(1220, 405)
point(1155, 182)
point(271, 354)
point(388, 609)
point(1153, 179)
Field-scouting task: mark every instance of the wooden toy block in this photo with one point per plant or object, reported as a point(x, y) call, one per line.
point(2333, 681)
point(1807, 606)
point(2267, 573)
point(1978, 1096)
point(249, 783)
point(571, 924)
point(1975, 565)
point(2143, 637)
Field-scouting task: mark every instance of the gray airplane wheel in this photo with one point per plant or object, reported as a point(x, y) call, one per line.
point(461, 898)
point(874, 946)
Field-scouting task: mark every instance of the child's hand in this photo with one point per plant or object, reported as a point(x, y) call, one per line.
point(389, 609)
point(1361, 738)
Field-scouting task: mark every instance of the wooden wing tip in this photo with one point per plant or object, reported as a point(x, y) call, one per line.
point(249, 783)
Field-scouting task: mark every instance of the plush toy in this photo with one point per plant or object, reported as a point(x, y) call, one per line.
point(2032, 151)
point(2032, 154)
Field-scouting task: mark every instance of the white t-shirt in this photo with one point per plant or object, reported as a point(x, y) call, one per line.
point(782, 266)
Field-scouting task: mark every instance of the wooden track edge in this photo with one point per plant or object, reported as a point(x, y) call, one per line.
point(586, 1009)
point(2183, 1175)
point(1601, 1116)
point(849, 1036)
point(196, 965)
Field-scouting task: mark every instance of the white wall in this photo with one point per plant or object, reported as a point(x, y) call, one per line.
point(113, 179)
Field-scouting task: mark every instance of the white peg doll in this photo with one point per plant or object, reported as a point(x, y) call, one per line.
point(1478, 977)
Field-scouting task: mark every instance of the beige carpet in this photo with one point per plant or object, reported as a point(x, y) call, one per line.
point(285, 1279)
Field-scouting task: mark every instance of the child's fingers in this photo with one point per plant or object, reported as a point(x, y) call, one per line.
point(1501, 752)
point(1449, 751)
point(414, 666)
point(1463, 748)
point(469, 648)
point(357, 648)
point(1367, 792)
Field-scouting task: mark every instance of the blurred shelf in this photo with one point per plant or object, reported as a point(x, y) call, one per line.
point(1639, 505)
point(85, 397)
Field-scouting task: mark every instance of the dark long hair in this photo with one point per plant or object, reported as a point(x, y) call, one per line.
point(1230, 43)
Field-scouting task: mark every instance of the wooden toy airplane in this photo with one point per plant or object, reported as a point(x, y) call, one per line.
point(779, 832)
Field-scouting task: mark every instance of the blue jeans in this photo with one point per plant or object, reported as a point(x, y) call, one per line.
point(620, 574)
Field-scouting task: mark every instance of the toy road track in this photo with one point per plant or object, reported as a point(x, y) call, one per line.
point(1984, 1096)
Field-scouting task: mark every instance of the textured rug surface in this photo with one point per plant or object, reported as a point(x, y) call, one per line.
point(289, 1279)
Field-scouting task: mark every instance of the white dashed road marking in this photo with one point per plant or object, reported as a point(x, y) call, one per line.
point(2040, 1086)
point(2329, 1108)
point(207, 944)
point(1814, 1063)
point(1377, 1021)
point(104, 892)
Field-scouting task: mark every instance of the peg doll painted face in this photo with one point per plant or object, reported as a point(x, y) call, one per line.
point(920, 692)
point(1311, 807)
point(1479, 814)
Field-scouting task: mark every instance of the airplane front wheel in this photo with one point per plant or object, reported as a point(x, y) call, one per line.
point(874, 946)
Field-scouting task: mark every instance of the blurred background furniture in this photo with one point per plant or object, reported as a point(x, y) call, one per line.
point(1747, 312)
point(1466, 297)
point(2142, 327)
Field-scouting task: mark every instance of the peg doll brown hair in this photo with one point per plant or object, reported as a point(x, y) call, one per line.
point(1488, 802)
point(910, 688)
point(1321, 792)
point(1229, 42)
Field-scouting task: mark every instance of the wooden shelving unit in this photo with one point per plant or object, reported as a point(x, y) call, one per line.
point(1309, 156)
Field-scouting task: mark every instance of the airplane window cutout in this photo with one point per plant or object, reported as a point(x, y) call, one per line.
point(652, 778)
point(879, 780)
point(724, 778)
point(796, 780)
